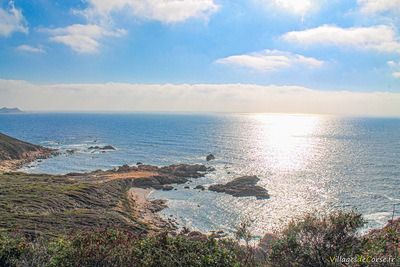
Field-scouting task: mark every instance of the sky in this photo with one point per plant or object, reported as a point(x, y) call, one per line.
point(294, 56)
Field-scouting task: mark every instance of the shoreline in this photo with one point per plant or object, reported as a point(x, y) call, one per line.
point(14, 165)
point(147, 210)
point(56, 204)
point(14, 153)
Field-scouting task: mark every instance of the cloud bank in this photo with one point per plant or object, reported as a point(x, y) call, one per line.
point(195, 98)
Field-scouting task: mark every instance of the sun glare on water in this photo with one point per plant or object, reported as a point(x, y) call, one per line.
point(285, 141)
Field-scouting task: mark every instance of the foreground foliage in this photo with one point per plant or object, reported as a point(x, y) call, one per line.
point(115, 248)
point(311, 241)
point(314, 240)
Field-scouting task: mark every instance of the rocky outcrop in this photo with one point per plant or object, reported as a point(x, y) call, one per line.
point(167, 188)
point(14, 153)
point(210, 157)
point(149, 176)
point(242, 187)
point(200, 187)
point(185, 170)
point(107, 147)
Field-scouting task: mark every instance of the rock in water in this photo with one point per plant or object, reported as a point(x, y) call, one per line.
point(162, 176)
point(242, 187)
point(107, 147)
point(210, 157)
point(167, 188)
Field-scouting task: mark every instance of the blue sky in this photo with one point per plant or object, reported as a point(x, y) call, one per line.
point(323, 45)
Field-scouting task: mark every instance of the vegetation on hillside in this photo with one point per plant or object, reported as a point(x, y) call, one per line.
point(53, 205)
point(311, 241)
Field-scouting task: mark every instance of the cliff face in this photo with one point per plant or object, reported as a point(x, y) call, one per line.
point(14, 153)
point(14, 149)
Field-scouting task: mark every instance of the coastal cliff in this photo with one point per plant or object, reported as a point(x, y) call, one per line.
point(14, 153)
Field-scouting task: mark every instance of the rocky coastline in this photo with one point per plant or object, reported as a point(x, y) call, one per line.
point(55, 204)
point(48, 203)
point(15, 153)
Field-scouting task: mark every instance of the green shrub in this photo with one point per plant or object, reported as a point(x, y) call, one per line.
point(314, 240)
point(95, 248)
point(311, 241)
point(383, 243)
point(118, 248)
point(11, 249)
point(182, 251)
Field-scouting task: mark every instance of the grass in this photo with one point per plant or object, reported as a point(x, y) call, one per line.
point(54, 205)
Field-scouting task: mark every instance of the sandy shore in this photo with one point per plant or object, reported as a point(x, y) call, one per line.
point(15, 164)
point(146, 210)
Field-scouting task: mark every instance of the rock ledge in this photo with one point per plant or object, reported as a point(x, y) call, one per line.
point(244, 186)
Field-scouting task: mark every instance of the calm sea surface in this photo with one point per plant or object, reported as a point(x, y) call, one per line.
point(307, 163)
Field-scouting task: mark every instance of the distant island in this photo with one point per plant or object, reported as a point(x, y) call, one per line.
point(10, 110)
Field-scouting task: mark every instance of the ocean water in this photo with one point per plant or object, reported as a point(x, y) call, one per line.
point(308, 163)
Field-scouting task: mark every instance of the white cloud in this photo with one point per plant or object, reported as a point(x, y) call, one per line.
point(166, 11)
point(395, 66)
point(296, 7)
point(379, 6)
point(379, 38)
point(11, 20)
point(195, 97)
point(270, 60)
point(30, 49)
point(82, 38)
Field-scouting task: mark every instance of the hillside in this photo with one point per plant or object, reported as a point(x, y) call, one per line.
point(14, 152)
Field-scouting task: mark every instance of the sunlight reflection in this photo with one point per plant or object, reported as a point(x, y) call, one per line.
point(285, 140)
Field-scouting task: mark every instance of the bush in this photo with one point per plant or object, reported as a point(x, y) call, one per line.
point(314, 240)
point(116, 248)
point(383, 243)
point(311, 241)
point(181, 251)
point(11, 249)
point(95, 248)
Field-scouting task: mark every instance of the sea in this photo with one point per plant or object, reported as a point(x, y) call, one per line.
point(308, 163)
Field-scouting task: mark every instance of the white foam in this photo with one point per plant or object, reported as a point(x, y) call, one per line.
point(378, 217)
